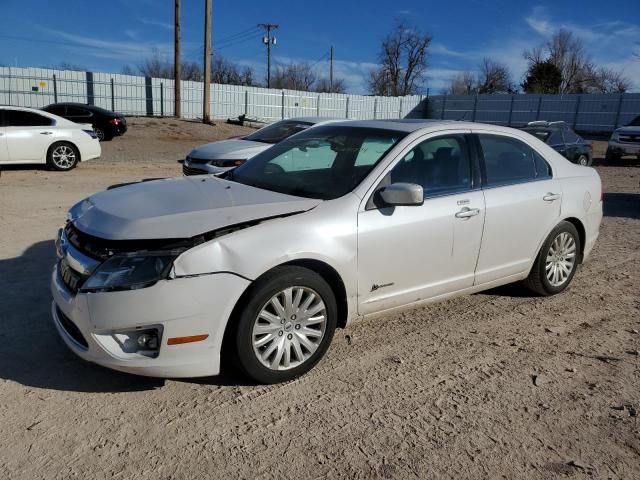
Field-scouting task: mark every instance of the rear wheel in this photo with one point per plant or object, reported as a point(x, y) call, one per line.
point(99, 133)
point(584, 160)
point(556, 262)
point(286, 326)
point(63, 156)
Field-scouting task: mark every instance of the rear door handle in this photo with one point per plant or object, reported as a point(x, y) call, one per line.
point(550, 197)
point(467, 212)
point(46, 133)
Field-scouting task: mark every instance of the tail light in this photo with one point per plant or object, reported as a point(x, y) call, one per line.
point(114, 121)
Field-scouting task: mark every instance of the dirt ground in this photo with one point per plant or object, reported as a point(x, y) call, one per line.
point(493, 385)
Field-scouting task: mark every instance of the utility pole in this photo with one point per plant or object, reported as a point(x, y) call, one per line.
point(177, 111)
point(206, 110)
point(331, 69)
point(268, 40)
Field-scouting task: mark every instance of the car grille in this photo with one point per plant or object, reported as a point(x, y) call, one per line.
point(72, 279)
point(630, 138)
point(72, 330)
point(192, 171)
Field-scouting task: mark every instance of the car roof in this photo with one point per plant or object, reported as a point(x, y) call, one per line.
point(409, 125)
point(313, 120)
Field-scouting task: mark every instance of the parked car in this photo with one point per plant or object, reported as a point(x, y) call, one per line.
point(218, 157)
point(338, 222)
point(106, 124)
point(560, 137)
point(624, 141)
point(31, 136)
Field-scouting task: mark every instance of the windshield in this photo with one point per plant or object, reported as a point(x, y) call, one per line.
point(278, 131)
point(635, 122)
point(323, 162)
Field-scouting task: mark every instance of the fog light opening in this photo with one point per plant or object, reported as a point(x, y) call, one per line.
point(142, 341)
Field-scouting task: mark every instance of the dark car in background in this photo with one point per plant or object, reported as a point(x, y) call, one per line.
point(106, 124)
point(624, 141)
point(560, 137)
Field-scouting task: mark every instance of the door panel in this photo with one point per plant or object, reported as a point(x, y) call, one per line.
point(517, 218)
point(28, 143)
point(406, 254)
point(27, 135)
point(4, 152)
point(411, 253)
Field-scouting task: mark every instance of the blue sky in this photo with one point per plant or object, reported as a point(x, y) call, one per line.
point(105, 36)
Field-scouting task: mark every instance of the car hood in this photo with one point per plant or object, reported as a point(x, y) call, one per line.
point(235, 149)
point(177, 208)
point(628, 130)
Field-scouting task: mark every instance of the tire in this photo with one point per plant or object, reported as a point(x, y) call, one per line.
point(264, 334)
point(541, 279)
point(611, 158)
point(63, 156)
point(100, 134)
point(584, 160)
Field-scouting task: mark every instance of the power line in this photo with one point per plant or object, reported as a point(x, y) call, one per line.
point(238, 34)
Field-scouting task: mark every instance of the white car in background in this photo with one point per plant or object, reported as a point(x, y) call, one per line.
point(30, 136)
point(218, 157)
point(339, 222)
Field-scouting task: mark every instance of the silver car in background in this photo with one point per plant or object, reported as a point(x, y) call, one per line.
point(337, 223)
point(218, 157)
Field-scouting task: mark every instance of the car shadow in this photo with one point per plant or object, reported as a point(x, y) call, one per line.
point(625, 205)
point(31, 352)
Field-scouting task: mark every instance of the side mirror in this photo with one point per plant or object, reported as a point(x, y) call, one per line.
point(402, 194)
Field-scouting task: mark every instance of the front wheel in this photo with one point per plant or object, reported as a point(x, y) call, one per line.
point(611, 158)
point(286, 326)
point(63, 156)
point(556, 262)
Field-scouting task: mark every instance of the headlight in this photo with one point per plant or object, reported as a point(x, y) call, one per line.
point(615, 137)
point(130, 271)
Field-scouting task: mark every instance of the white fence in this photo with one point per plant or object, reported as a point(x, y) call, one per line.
point(133, 95)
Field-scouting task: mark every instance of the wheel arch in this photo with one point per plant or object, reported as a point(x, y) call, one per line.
point(326, 271)
point(582, 233)
point(65, 141)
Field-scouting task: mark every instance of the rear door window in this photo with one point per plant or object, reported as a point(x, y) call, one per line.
point(21, 118)
point(507, 160)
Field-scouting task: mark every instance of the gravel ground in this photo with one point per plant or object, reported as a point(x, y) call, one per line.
point(493, 385)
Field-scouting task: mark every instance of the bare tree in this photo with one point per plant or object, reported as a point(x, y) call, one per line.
point(155, 66)
point(323, 85)
point(223, 71)
point(494, 77)
point(403, 62)
point(295, 76)
point(462, 83)
point(607, 80)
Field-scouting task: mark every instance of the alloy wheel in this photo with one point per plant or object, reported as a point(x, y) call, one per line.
point(289, 328)
point(64, 157)
point(583, 160)
point(561, 259)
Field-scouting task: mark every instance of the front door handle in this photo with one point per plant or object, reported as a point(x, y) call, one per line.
point(467, 212)
point(46, 133)
point(550, 197)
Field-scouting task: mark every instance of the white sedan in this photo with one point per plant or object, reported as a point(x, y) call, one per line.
point(30, 136)
point(336, 223)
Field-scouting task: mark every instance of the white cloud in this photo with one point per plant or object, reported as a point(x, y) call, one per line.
point(156, 23)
